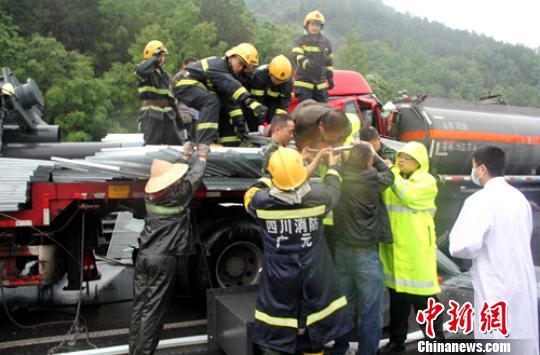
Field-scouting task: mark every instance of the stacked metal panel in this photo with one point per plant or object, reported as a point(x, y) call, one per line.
point(15, 178)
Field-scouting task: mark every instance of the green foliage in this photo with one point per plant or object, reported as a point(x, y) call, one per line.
point(351, 55)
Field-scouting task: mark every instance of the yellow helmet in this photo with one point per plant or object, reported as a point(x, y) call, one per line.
point(287, 169)
point(280, 67)
point(314, 16)
point(151, 47)
point(247, 52)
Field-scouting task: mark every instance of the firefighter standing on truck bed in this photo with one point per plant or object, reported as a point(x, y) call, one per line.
point(213, 82)
point(313, 55)
point(158, 119)
point(271, 85)
point(299, 305)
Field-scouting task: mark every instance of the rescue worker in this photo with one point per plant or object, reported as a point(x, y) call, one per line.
point(165, 238)
point(319, 125)
point(272, 86)
point(299, 305)
point(313, 55)
point(212, 82)
point(158, 119)
point(410, 263)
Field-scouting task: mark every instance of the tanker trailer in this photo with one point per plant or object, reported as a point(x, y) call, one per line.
point(452, 130)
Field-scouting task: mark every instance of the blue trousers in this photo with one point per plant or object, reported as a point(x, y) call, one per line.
point(361, 278)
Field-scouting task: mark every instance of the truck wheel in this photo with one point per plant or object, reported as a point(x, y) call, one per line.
point(235, 255)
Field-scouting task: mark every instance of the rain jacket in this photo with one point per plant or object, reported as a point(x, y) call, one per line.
point(298, 288)
point(410, 263)
point(166, 226)
point(276, 97)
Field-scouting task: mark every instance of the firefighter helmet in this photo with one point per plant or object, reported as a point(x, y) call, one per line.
point(280, 67)
point(151, 48)
point(247, 52)
point(287, 169)
point(315, 16)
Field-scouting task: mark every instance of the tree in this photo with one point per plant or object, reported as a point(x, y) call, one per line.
point(352, 55)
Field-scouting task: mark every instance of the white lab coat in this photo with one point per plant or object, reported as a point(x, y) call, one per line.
point(494, 229)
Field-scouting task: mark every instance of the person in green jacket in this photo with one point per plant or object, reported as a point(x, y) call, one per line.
point(410, 263)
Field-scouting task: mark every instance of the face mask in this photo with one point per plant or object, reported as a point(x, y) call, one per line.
point(475, 180)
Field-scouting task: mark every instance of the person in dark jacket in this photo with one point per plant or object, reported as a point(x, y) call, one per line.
point(371, 135)
point(313, 55)
point(299, 305)
point(158, 119)
point(282, 129)
point(361, 223)
point(213, 82)
point(165, 238)
point(272, 86)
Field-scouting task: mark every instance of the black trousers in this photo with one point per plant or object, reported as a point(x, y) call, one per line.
point(153, 284)
point(315, 94)
point(400, 309)
point(208, 105)
point(156, 132)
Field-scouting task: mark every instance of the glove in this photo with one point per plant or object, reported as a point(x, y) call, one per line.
point(330, 83)
point(242, 130)
point(188, 150)
point(259, 110)
point(203, 150)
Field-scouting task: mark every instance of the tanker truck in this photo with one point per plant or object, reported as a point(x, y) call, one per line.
point(56, 219)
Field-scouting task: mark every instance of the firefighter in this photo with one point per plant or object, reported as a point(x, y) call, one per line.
point(410, 263)
point(272, 86)
point(213, 82)
point(165, 238)
point(158, 119)
point(299, 305)
point(313, 55)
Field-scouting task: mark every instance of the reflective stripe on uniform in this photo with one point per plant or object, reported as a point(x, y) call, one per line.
point(280, 111)
point(257, 92)
point(330, 68)
point(157, 108)
point(401, 189)
point(300, 59)
point(163, 209)
point(303, 84)
point(328, 220)
point(321, 86)
point(267, 182)
point(229, 139)
point(311, 48)
point(399, 209)
point(241, 90)
point(154, 90)
point(204, 64)
point(235, 113)
point(254, 105)
point(272, 93)
point(298, 50)
point(277, 321)
point(208, 125)
point(409, 283)
point(332, 307)
point(289, 214)
point(333, 172)
point(186, 82)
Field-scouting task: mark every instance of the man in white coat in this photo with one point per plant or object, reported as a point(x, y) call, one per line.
point(494, 229)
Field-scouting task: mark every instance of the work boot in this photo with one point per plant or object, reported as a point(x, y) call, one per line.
point(392, 349)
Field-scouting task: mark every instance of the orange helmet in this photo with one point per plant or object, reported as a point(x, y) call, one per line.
point(315, 16)
point(280, 67)
point(151, 48)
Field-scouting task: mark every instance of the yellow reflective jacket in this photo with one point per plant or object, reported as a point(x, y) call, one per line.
point(410, 263)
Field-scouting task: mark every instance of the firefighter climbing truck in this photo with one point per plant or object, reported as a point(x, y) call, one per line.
point(59, 224)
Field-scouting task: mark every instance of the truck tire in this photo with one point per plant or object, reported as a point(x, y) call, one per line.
point(234, 257)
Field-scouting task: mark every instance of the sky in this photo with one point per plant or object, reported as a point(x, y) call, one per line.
point(515, 21)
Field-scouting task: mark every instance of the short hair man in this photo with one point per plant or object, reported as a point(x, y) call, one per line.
point(282, 128)
point(494, 229)
point(371, 135)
